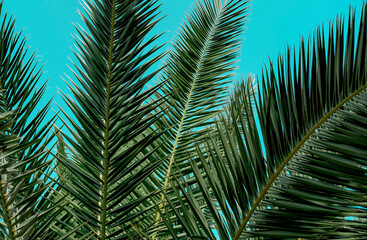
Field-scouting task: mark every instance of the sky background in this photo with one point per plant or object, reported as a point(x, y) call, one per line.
point(272, 25)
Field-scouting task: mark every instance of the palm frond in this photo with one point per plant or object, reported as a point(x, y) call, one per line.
point(108, 157)
point(199, 66)
point(320, 193)
point(306, 95)
point(327, 81)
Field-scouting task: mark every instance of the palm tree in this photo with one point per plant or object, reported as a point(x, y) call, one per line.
point(280, 157)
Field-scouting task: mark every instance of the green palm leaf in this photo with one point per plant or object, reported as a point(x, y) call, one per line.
point(109, 153)
point(199, 66)
point(334, 78)
point(320, 194)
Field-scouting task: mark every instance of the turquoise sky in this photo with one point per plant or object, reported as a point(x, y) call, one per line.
point(272, 25)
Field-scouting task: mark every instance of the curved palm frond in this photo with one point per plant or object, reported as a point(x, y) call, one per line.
point(199, 67)
point(25, 209)
point(320, 193)
point(279, 159)
point(328, 82)
point(108, 157)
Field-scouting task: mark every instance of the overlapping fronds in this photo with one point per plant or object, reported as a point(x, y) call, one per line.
point(24, 208)
point(298, 132)
point(285, 160)
point(304, 103)
point(321, 192)
point(215, 198)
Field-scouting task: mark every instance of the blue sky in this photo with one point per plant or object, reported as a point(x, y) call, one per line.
point(272, 24)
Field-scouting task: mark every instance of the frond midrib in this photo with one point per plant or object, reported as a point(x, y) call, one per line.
point(106, 150)
point(290, 156)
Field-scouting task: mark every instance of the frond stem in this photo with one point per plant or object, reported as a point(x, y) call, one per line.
point(106, 152)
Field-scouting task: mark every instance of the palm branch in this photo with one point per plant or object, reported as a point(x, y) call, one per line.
point(198, 69)
point(107, 158)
